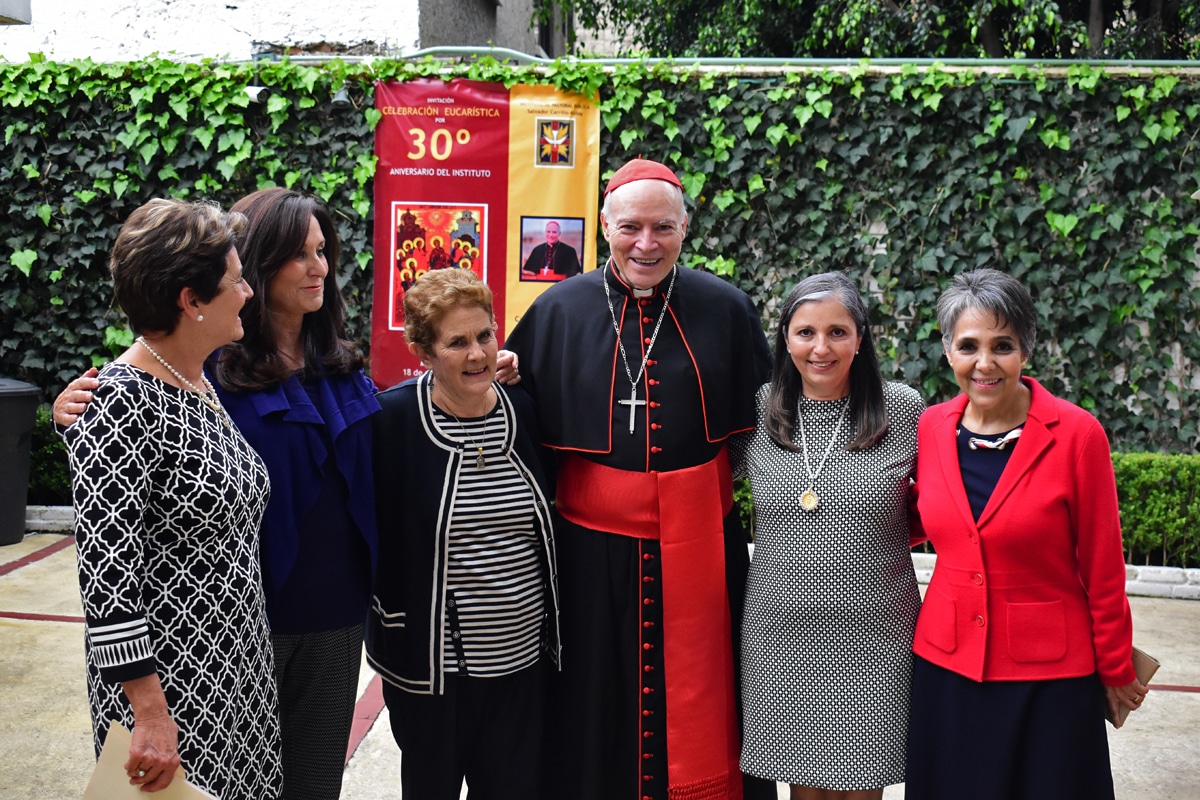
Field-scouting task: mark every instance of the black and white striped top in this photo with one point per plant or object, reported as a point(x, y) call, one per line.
point(494, 581)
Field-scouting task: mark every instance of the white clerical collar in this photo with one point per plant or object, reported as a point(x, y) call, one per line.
point(643, 292)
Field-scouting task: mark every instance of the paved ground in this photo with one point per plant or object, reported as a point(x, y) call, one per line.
point(45, 732)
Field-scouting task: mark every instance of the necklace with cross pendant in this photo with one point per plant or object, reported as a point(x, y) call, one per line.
point(633, 401)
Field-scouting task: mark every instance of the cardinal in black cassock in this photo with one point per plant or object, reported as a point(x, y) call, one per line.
point(641, 370)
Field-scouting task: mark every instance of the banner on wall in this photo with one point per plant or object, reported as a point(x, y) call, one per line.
point(473, 175)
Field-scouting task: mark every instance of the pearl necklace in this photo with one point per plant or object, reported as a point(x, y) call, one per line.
point(208, 395)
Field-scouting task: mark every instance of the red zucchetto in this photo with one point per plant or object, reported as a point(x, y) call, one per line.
point(640, 169)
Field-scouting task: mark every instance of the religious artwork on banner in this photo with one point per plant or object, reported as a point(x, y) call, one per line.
point(555, 142)
point(430, 236)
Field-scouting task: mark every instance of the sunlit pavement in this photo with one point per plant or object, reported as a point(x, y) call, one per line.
point(45, 731)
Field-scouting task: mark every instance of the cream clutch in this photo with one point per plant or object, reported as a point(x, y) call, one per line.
point(1145, 665)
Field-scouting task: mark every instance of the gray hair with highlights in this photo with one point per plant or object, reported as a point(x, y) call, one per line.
point(994, 292)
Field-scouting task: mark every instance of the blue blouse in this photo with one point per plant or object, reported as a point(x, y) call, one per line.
point(319, 538)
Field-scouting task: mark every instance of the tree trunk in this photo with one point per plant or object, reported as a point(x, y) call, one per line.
point(1095, 25)
point(991, 38)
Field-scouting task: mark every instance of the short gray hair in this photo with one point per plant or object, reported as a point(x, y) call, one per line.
point(995, 292)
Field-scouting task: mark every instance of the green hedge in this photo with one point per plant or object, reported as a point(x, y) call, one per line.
point(1076, 178)
point(1160, 508)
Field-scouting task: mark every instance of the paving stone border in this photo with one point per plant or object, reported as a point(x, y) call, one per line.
point(1175, 582)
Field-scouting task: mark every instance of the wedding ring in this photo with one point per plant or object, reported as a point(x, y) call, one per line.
point(141, 773)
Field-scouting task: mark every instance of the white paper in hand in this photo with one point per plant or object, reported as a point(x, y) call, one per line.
point(109, 781)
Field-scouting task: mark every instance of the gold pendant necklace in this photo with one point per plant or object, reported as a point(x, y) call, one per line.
point(809, 499)
point(480, 461)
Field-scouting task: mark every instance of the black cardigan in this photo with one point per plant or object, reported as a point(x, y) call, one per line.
point(416, 469)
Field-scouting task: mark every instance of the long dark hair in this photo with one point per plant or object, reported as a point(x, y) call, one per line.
point(866, 382)
point(279, 221)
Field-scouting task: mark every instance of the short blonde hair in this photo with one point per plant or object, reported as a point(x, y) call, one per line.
point(434, 295)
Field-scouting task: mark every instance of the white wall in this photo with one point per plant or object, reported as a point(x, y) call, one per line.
point(188, 30)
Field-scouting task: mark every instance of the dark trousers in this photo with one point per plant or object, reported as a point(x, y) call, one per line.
point(486, 730)
point(317, 675)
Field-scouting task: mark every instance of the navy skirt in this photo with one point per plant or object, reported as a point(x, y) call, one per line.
point(1006, 740)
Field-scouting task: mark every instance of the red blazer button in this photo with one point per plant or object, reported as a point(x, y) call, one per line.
point(979, 620)
point(978, 579)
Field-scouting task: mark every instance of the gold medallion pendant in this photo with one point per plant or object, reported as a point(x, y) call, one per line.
point(809, 500)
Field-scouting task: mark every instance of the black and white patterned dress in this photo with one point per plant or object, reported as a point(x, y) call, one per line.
point(831, 602)
point(168, 503)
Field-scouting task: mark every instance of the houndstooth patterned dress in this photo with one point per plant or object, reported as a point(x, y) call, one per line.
point(831, 602)
point(168, 502)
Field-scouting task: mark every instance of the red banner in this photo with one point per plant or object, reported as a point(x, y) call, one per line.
point(474, 176)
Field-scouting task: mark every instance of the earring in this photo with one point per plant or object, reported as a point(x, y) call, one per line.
point(199, 318)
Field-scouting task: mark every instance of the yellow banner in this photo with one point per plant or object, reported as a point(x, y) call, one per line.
point(553, 191)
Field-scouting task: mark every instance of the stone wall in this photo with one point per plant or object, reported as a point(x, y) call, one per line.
point(190, 30)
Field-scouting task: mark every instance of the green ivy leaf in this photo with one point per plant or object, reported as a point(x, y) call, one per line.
point(23, 260)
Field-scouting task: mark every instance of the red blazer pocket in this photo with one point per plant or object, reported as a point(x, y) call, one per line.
point(937, 621)
point(1037, 632)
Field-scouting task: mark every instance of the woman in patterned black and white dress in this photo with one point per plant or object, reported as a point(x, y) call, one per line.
point(168, 499)
point(465, 607)
point(831, 600)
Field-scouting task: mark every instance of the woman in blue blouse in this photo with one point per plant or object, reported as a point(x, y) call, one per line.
point(294, 386)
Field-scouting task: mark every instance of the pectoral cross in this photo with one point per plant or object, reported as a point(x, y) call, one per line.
point(633, 403)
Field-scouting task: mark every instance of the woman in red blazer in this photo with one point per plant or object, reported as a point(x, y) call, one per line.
point(1025, 633)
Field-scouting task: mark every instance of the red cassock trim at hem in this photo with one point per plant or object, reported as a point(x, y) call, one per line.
point(684, 510)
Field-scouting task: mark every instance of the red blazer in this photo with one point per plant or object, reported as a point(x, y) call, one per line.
point(1036, 589)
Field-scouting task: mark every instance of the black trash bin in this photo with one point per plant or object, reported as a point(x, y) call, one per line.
point(18, 413)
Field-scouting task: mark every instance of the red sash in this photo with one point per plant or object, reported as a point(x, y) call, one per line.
point(684, 509)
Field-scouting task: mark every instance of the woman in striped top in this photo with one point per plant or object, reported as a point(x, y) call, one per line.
point(465, 602)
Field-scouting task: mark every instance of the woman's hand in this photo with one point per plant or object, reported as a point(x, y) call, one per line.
point(154, 753)
point(1130, 695)
point(74, 399)
point(506, 368)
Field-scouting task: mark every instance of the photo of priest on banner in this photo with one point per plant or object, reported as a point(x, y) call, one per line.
point(550, 248)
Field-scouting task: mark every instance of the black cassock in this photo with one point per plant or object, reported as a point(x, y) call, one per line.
point(607, 735)
point(560, 259)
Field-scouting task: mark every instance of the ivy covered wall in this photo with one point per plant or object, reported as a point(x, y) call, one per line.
point(1076, 178)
